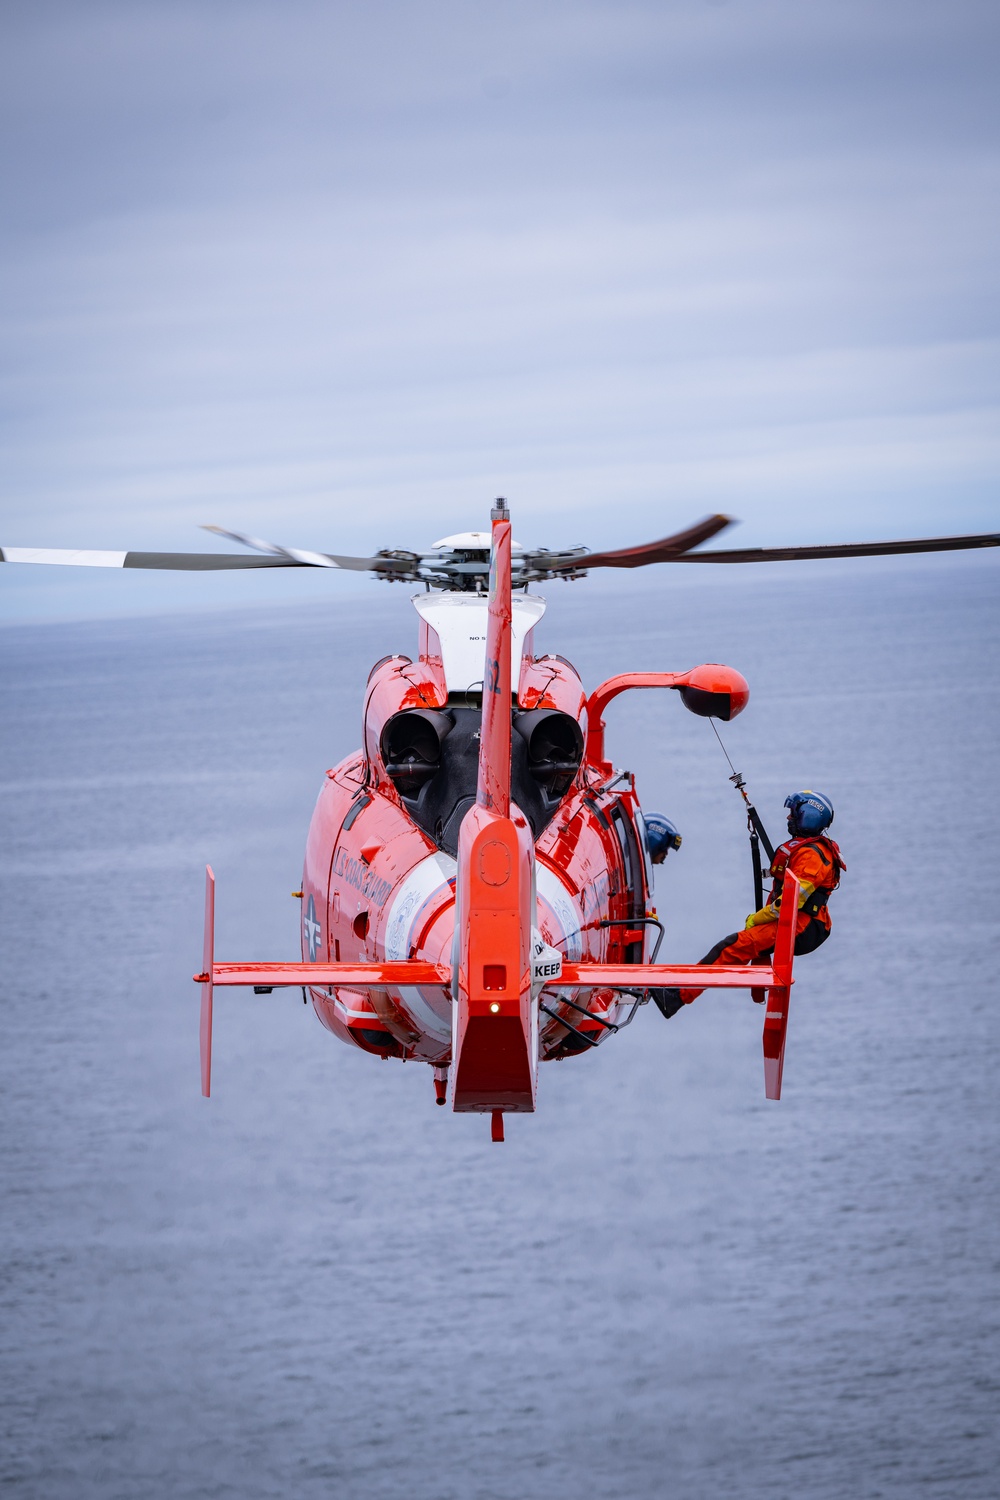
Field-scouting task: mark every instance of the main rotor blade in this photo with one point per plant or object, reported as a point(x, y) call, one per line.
point(317, 559)
point(188, 562)
point(846, 549)
point(668, 549)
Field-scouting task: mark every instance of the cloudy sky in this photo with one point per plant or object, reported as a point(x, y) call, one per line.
point(338, 273)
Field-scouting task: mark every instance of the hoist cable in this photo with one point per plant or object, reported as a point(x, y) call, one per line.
point(725, 752)
point(758, 833)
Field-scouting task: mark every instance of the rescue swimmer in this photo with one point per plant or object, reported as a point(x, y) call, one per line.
point(811, 855)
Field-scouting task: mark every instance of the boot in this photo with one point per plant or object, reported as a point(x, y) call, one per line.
point(667, 1002)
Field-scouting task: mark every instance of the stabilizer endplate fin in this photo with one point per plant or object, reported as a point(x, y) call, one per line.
point(206, 980)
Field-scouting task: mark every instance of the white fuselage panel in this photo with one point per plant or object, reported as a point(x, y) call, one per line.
point(460, 622)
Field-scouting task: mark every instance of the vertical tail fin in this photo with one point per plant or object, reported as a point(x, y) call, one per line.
point(493, 790)
point(495, 1035)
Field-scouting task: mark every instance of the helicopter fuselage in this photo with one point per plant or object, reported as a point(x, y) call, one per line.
point(476, 891)
point(380, 866)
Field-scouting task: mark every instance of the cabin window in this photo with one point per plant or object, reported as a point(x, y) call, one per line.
point(634, 867)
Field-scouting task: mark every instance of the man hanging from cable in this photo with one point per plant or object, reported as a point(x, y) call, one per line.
point(811, 855)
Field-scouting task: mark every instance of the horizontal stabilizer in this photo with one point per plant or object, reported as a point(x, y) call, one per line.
point(354, 976)
point(665, 976)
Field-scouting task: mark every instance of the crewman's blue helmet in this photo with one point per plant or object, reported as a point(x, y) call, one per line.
point(808, 813)
point(661, 837)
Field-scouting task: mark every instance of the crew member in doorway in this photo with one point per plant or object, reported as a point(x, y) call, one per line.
point(811, 855)
point(661, 837)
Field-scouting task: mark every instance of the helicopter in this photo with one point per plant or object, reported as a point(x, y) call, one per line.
point(477, 883)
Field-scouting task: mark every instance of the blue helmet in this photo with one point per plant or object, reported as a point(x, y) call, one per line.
point(661, 836)
point(808, 812)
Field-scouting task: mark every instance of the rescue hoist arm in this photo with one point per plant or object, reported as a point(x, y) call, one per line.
point(711, 691)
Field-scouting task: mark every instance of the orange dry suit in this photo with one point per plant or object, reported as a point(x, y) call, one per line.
point(817, 862)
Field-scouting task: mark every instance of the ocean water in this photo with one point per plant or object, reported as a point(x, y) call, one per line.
point(661, 1285)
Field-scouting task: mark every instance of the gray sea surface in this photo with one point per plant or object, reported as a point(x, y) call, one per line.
point(319, 1284)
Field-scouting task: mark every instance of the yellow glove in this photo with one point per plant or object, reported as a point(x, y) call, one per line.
point(766, 914)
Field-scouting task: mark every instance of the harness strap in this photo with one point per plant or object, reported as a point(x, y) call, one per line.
point(829, 854)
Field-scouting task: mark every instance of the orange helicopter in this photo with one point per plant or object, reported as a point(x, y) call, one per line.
point(477, 889)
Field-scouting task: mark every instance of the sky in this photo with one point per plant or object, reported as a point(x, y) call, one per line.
point(337, 275)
